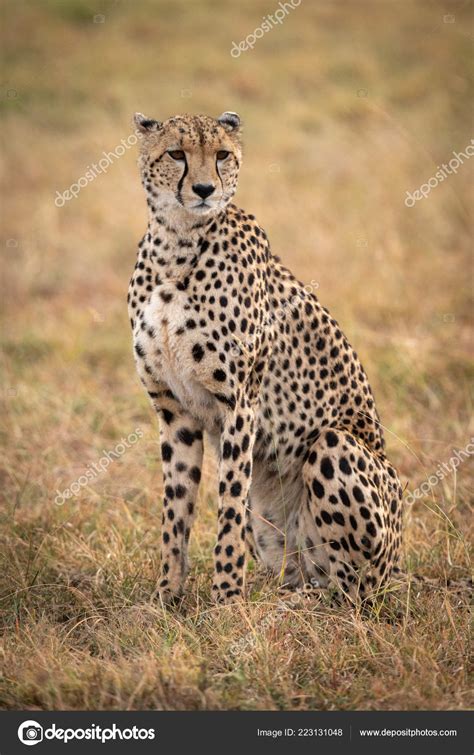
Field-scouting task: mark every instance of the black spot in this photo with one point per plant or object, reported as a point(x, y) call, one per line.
point(185, 436)
point(344, 466)
point(167, 416)
point(327, 468)
point(326, 517)
point(344, 497)
point(198, 352)
point(371, 529)
point(166, 452)
point(318, 489)
point(219, 375)
point(195, 474)
point(228, 400)
point(236, 489)
point(353, 543)
point(358, 494)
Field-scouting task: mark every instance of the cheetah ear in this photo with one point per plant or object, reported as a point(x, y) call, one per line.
point(229, 120)
point(144, 124)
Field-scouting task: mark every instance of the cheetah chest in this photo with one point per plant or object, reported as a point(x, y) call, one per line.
point(167, 341)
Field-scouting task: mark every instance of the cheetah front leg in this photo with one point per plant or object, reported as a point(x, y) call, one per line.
point(181, 453)
point(235, 470)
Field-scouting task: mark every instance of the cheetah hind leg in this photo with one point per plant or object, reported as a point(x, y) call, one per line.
point(349, 525)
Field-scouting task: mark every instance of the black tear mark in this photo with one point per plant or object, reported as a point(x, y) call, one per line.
point(181, 181)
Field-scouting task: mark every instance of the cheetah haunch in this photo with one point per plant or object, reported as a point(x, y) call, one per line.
point(229, 343)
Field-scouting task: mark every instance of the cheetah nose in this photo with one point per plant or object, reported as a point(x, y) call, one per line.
point(203, 190)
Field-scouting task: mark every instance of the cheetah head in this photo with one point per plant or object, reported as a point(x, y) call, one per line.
point(190, 162)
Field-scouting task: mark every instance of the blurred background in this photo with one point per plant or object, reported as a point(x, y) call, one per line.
point(346, 107)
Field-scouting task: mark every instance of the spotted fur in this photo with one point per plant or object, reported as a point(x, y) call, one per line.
point(228, 343)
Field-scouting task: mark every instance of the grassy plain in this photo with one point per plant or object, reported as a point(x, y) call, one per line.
point(346, 106)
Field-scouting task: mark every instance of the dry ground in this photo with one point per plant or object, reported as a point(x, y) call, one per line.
point(347, 106)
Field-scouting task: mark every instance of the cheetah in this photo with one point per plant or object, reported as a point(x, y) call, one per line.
point(229, 344)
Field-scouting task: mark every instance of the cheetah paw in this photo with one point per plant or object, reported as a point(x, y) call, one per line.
point(227, 596)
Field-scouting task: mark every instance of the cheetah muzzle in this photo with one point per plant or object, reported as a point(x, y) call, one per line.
point(228, 343)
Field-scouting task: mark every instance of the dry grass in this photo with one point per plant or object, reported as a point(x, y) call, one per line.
point(347, 106)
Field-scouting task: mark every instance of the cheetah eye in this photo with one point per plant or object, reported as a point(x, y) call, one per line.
point(176, 154)
point(222, 154)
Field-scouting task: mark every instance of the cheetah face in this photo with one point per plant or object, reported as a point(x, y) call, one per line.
point(190, 161)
